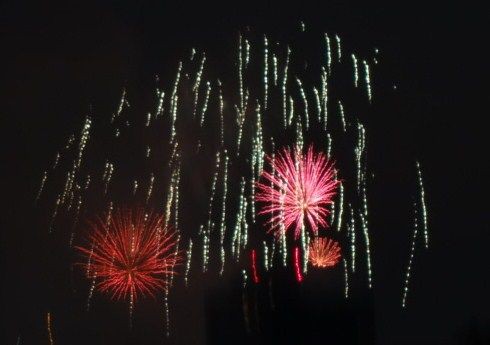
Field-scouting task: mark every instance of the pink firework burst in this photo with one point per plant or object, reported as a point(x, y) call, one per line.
point(323, 252)
point(298, 191)
point(131, 254)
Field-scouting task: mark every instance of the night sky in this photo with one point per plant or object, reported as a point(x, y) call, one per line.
point(61, 61)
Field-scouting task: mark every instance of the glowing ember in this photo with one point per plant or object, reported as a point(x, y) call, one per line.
point(300, 189)
point(131, 254)
point(324, 252)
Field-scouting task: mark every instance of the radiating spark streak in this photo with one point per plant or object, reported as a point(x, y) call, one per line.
point(266, 71)
point(423, 204)
point(329, 53)
point(352, 234)
point(368, 248)
point(346, 279)
point(283, 90)
point(188, 262)
point(48, 324)
point(206, 100)
point(410, 260)
point(254, 267)
point(41, 187)
point(299, 277)
point(305, 102)
point(339, 48)
point(356, 70)
point(341, 207)
point(367, 79)
point(342, 116)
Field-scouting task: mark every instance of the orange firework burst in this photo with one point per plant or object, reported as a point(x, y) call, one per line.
point(324, 252)
point(131, 254)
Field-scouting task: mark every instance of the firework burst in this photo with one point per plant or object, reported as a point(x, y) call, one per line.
point(131, 254)
point(324, 252)
point(299, 190)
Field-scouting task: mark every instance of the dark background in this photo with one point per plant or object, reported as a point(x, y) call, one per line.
point(58, 58)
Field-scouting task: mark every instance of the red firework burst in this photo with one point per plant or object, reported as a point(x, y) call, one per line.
point(131, 254)
point(299, 189)
point(324, 252)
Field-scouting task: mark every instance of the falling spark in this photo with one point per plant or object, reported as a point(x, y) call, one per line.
point(188, 263)
point(352, 228)
point(346, 279)
point(274, 68)
point(410, 260)
point(422, 202)
point(368, 249)
point(206, 100)
point(223, 212)
point(150, 187)
point(339, 48)
point(283, 89)
point(367, 78)
point(266, 71)
point(50, 333)
point(356, 70)
point(299, 277)
point(43, 181)
point(341, 207)
point(342, 115)
point(329, 53)
point(222, 122)
point(305, 101)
